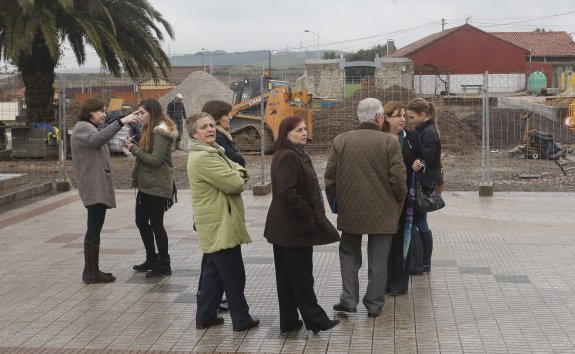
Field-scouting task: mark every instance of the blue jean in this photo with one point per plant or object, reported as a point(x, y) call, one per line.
point(420, 221)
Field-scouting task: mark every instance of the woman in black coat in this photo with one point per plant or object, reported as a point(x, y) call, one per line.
point(422, 114)
point(221, 112)
point(295, 223)
point(394, 124)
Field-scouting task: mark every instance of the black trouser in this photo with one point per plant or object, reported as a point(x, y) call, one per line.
point(294, 280)
point(223, 271)
point(96, 217)
point(150, 211)
point(180, 125)
point(397, 277)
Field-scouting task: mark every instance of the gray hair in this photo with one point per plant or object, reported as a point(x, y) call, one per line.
point(192, 122)
point(367, 109)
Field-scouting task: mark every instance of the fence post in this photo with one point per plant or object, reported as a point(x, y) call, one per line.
point(486, 185)
point(62, 181)
point(262, 188)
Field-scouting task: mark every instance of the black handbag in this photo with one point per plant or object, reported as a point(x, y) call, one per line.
point(427, 199)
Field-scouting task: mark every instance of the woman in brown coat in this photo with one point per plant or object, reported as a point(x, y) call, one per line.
point(295, 223)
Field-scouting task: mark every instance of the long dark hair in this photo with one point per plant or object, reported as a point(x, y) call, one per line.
point(157, 116)
point(287, 125)
point(92, 104)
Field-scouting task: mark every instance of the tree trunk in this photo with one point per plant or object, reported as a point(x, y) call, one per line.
point(37, 69)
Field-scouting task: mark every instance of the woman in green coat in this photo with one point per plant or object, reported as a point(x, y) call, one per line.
point(216, 185)
point(153, 177)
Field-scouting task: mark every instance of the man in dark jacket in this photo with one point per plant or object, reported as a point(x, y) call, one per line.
point(177, 112)
point(365, 174)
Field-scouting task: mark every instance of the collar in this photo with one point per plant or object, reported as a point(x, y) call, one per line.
point(225, 132)
point(368, 125)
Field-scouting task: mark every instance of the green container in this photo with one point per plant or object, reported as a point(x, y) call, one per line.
point(535, 81)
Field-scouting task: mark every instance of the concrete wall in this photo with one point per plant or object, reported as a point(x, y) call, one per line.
point(325, 78)
point(498, 83)
point(394, 71)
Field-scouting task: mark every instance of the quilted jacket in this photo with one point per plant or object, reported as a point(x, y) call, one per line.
point(366, 174)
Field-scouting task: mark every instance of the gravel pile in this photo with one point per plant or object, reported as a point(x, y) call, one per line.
point(198, 88)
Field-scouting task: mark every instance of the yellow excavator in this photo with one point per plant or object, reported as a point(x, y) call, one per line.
point(279, 102)
point(570, 121)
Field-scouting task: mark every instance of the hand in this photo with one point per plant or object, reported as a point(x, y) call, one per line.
point(127, 142)
point(133, 117)
point(417, 165)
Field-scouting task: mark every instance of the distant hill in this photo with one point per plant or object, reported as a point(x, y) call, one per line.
point(290, 59)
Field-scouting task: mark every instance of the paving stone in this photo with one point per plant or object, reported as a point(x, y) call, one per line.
point(502, 281)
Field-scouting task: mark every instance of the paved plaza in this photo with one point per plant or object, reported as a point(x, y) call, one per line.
point(502, 280)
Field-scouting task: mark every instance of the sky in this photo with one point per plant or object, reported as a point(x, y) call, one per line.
point(246, 25)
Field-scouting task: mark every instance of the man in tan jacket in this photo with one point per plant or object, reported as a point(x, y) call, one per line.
point(365, 174)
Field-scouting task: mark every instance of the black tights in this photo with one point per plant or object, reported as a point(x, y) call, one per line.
point(96, 217)
point(150, 221)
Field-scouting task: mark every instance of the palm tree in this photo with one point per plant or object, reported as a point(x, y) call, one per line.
point(125, 34)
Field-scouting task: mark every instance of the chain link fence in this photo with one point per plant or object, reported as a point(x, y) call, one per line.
point(32, 148)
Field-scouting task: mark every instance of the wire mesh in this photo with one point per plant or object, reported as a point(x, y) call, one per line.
point(33, 150)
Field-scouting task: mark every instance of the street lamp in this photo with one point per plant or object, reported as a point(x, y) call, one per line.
point(317, 34)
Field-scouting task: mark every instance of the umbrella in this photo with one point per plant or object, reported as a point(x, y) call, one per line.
point(410, 202)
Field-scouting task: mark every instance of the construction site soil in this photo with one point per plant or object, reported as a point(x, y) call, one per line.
point(460, 123)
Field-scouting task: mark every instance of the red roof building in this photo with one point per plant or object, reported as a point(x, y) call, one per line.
point(542, 46)
point(464, 50)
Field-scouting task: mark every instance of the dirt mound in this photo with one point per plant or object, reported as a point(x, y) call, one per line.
point(507, 126)
point(456, 136)
point(342, 117)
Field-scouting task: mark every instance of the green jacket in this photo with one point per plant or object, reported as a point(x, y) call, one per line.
point(153, 173)
point(216, 189)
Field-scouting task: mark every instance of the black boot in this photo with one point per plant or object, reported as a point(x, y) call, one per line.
point(148, 264)
point(427, 241)
point(92, 273)
point(161, 267)
point(416, 253)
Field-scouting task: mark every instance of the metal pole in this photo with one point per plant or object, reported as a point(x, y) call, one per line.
point(62, 180)
point(486, 186)
point(263, 134)
point(270, 63)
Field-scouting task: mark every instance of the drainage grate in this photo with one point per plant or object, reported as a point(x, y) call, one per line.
point(168, 288)
point(186, 299)
point(186, 273)
point(275, 333)
point(475, 270)
point(519, 279)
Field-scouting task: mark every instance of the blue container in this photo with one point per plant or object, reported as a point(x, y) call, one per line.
point(325, 104)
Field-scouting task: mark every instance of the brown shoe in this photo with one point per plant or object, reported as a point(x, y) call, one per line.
point(205, 325)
